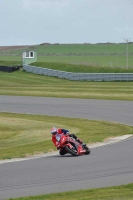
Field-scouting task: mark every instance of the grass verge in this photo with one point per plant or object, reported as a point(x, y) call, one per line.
point(22, 135)
point(81, 68)
point(124, 192)
point(20, 83)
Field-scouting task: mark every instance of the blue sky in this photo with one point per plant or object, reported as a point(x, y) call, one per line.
point(25, 22)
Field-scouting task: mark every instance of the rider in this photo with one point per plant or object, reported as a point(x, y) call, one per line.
point(55, 131)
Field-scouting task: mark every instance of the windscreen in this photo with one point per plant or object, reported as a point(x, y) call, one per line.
point(58, 136)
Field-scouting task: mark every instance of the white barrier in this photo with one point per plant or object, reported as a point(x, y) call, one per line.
point(79, 76)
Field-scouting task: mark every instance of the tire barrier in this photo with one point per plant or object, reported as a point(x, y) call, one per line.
point(9, 68)
point(79, 76)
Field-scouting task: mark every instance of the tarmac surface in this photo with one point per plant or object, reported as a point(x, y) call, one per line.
point(110, 163)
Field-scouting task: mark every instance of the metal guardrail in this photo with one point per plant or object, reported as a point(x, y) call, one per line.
point(79, 76)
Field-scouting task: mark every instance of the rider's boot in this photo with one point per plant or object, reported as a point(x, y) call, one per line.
point(80, 141)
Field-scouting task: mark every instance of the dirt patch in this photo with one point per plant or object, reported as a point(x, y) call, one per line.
point(9, 48)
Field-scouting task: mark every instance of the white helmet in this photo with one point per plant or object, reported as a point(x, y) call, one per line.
point(54, 130)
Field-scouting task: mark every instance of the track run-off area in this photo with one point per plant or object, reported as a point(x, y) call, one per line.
point(107, 165)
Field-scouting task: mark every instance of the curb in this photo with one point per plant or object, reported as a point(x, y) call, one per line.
point(91, 146)
point(110, 141)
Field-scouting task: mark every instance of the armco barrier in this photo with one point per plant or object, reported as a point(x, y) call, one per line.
point(79, 76)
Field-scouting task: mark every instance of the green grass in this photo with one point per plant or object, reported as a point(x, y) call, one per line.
point(23, 135)
point(82, 48)
point(97, 60)
point(28, 84)
point(124, 192)
point(10, 59)
point(77, 66)
point(10, 63)
point(81, 68)
point(101, 60)
point(78, 48)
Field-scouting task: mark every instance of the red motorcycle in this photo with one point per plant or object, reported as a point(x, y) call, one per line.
point(70, 145)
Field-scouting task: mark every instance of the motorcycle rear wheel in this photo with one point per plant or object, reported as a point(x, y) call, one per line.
point(69, 150)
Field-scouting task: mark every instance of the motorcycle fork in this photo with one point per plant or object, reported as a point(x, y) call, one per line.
point(75, 145)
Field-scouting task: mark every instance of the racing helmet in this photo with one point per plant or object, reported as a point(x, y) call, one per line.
point(54, 130)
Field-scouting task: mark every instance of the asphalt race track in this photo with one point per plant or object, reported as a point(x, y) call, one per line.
point(105, 166)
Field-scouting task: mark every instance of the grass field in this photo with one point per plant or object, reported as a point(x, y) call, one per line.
point(77, 48)
point(10, 62)
point(100, 59)
point(23, 135)
point(28, 84)
point(123, 192)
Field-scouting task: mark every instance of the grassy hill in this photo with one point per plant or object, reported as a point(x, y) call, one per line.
point(106, 48)
point(101, 55)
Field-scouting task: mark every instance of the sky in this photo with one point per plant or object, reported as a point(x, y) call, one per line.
point(30, 22)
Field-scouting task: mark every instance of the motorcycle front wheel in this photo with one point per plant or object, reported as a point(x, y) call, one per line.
point(71, 151)
point(87, 150)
